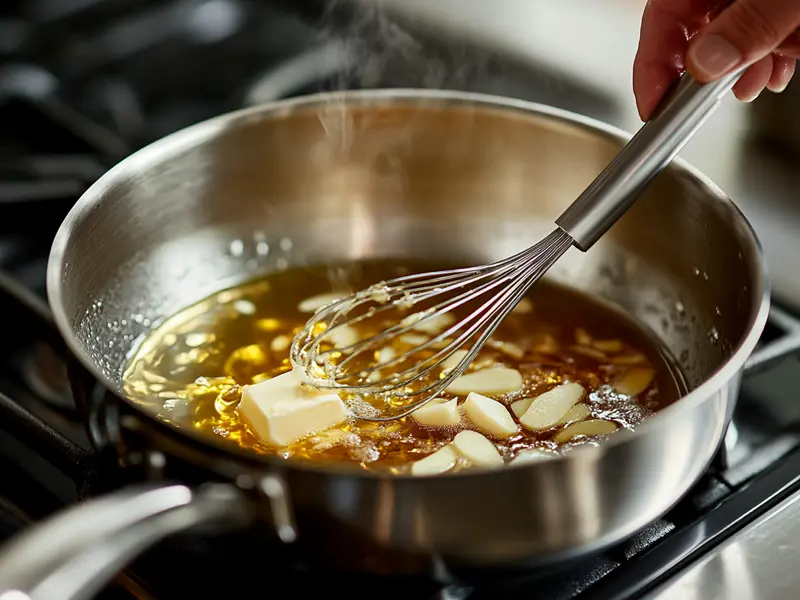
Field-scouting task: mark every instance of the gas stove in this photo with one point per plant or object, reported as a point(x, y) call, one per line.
point(85, 82)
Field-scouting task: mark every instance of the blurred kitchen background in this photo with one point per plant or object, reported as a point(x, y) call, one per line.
point(83, 83)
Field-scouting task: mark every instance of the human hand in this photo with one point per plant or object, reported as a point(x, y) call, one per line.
point(709, 40)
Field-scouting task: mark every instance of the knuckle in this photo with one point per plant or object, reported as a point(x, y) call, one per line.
point(752, 27)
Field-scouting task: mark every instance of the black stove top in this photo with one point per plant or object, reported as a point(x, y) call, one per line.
point(85, 82)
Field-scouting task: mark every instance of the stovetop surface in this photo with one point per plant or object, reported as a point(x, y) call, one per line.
point(85, 82)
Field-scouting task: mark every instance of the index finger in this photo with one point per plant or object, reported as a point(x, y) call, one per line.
point(667, 27)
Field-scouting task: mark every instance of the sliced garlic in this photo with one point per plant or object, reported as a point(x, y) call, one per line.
point(280, 343)
point(608, 345)
point(549, 408)
point(583, 337)
point(437, 463)
point(533, 455)
point(440, 344)
point(486, 363)
point(384, 355)
point(548, 345)
point(628, 359)
point(438, 414)
point(520, 406)
point(509, 349)
point(453, 360)
point(497, 380)
point(477, 449)
point(588, 428)
point(341, 336)
point(634, 381)
point(524, 307)
point(577, 413)
point(489, 415)
point(329, 439)
point(435, 324)
point(590, 352)
point(314, 303)
point(413, 339)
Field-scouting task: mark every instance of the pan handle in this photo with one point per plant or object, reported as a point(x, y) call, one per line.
point(72, 555)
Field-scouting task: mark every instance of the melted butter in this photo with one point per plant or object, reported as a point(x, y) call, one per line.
point(191, 369)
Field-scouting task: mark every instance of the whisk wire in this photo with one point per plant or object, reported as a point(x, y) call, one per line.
point(505, 282)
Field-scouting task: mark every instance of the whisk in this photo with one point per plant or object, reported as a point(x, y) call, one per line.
point(331, 357)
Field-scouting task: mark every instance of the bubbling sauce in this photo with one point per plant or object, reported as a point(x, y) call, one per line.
point(191, 370)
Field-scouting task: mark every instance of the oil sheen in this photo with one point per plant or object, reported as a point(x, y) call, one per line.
point(192, 368)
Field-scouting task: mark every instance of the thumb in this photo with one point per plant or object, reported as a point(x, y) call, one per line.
point(742, 34)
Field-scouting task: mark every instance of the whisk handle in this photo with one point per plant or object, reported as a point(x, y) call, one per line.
point(678, 118)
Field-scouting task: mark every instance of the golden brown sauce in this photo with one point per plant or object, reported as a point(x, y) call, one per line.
point(191, 369)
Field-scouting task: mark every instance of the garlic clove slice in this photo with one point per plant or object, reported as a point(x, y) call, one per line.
point(314, 303)
point(521, 406)
point(509, 349)
point(384, 355)
point(477, 449)
point(634, 381)
point(577, 413)
point(489, 415)
point(452, 361)
point(549, 408)
point(435, 324)
point(494, 381)
point(523, 307)
point(341, 336)
point(608, 345)
point(438, 414)
point(589, 428)
point(533, 455)
point(280, 343)
point(437, 463)
point(413, 339)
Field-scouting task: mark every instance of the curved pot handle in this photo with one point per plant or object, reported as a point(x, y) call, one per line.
point(72, 555)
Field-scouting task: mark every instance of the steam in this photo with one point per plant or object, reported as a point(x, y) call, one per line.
point(366, 46)
point(375, 46)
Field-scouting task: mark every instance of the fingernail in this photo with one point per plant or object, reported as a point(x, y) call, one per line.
point(714, 56)
point(777, 89)
point(752, 97)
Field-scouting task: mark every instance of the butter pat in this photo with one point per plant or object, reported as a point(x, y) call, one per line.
point(281, 410)
point(438, 413)
point(437, 463)
point(489, 415)
point(549, 408)
point(498, 380)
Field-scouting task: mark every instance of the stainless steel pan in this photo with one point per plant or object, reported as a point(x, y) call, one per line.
point(396, 174)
